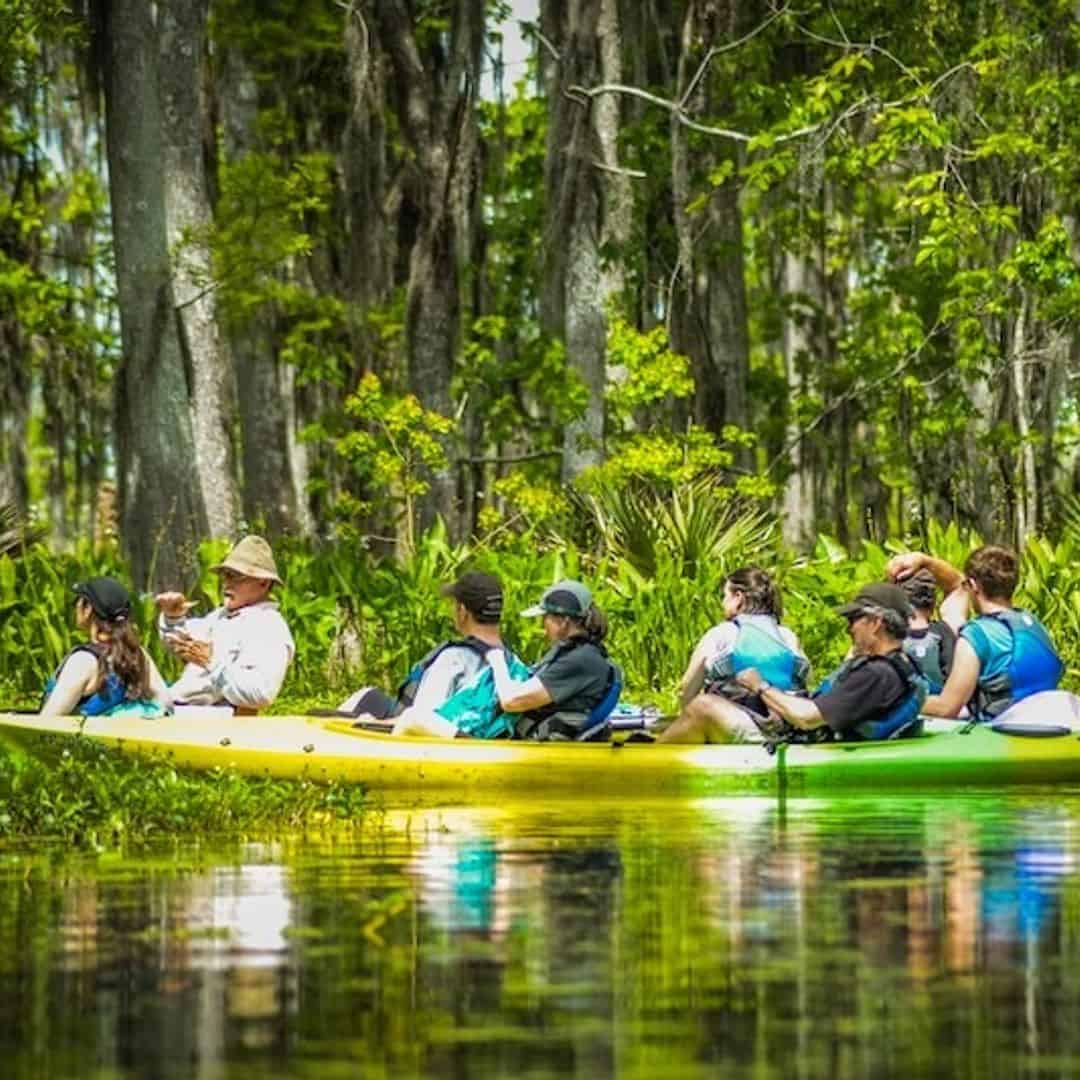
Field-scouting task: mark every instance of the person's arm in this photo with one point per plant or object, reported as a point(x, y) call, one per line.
point(800, 712)
point(159, 690)
point(957, 603)
point(960, 686)
point(690, 685)
point(437, 683)
point(75, 680)
point(515, 696)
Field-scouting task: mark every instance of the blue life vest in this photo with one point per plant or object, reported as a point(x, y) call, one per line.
point(108, 696)
point(1016, 659)
point(901, 719)
point(759, 645)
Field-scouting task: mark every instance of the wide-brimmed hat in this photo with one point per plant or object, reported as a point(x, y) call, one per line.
point(563, 598)
point(109, 600)
point(253, 558)
point(482, 595)
point(878, 595)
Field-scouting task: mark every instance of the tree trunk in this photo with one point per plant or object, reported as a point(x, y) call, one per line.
point(162, 513)
point(1025, 475)
point(574, 286)
point(797, 341)
point(270, 491)
point(182, 35)
point(435, 108)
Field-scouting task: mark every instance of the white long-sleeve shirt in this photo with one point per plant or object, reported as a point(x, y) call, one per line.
point(252, 650)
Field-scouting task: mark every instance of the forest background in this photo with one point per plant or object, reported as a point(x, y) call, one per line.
point(698, 282)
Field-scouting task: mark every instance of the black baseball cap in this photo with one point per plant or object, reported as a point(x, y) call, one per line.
point(108, 598)
point(482, 595)
point(880, 594)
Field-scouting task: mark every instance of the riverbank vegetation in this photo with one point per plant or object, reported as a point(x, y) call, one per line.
point(656, 566)
point(84, 794)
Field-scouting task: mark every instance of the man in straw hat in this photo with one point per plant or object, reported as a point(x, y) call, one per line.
point(237, 654)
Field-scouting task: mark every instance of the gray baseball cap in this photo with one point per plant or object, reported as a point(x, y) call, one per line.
point(563, 598)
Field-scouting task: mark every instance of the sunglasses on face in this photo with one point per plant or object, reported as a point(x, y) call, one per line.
point(232, 576)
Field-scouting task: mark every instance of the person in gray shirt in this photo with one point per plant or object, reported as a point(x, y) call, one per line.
point(559, 700)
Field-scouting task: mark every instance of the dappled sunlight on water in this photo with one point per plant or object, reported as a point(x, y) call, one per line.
point(743, 937)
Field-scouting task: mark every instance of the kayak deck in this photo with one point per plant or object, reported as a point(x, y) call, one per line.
point(425, 769)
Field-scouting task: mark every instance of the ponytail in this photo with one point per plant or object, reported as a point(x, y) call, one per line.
point(760, 593)
point(595, 624)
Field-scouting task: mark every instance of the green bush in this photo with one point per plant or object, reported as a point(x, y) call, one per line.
point(657, 569)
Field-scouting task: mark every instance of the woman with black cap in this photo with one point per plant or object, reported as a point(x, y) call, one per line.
point(111, 670)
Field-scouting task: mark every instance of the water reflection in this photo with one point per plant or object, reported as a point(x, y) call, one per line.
point(744, 937)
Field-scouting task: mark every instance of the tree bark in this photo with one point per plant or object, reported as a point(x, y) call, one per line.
point(576, 288)
point(182, 36)
point(434, 98)
point(163, 517)
point(271, 488)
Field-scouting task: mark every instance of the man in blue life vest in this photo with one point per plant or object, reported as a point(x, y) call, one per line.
point(1003, 654)
point(876, 694)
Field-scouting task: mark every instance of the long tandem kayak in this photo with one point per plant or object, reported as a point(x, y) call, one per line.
point(1039, 746)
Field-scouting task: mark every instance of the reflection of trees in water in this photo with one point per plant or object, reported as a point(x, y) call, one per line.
point(906, 936)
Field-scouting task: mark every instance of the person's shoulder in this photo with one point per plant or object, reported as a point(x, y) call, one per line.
point(721, 635)
point(790, 638)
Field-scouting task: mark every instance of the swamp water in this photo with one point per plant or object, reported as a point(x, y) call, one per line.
point(907, 936)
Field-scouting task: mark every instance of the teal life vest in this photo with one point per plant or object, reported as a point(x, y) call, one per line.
point(1016, 659)
point(475, 707)
point(759, 645)
point(107, 697)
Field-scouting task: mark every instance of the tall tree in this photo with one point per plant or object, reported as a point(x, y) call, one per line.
point(434, 89)
point(206, 354)
point(163, 516)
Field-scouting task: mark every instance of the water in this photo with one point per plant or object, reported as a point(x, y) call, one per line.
point(856, 937)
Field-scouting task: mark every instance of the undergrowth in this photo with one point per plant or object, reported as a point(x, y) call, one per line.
point(90, 796)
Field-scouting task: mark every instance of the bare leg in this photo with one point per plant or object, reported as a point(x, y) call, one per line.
point(710, 718)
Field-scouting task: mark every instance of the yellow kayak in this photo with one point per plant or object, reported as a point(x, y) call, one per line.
point(948, 754)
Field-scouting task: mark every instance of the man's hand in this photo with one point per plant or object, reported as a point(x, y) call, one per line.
point(750, 679)
point(191, 650)
point(173, 605)
point(903, 566)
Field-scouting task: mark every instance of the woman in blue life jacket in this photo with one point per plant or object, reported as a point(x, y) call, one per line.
point(110, 671)
point(1003, 654)
point(876, 694)
point(930, 642)
point(714, 707)
point(575, 685)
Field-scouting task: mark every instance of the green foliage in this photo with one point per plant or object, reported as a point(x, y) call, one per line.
point(90, 796)
point(396, 448)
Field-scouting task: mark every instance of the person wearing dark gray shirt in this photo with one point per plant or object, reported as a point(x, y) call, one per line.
point(573, 677)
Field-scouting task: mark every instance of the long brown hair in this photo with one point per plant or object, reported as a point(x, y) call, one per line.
point(122, 654)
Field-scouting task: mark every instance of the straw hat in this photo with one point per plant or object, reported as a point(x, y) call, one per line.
point(253, 558)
